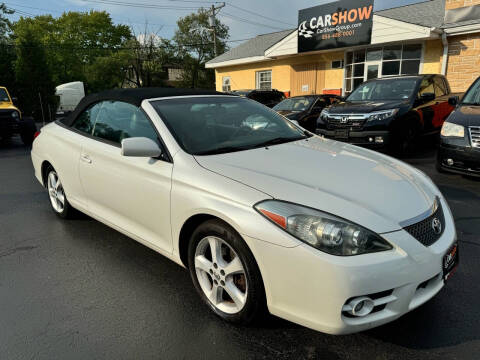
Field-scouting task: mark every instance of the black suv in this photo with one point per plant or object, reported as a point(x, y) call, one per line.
point(459, 149)
point(391, 112)
point(268, 98)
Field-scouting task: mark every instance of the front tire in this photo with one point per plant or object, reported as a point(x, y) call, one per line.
point(56, 194)
point(225, 273)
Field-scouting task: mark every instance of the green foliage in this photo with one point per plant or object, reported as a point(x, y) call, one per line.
point(194, 40)
point(33, 75)
point(4, 22)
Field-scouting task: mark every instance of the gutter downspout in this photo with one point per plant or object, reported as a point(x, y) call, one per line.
point(445, 54)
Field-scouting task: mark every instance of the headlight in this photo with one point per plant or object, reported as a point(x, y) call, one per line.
point(324, 114)
point(382, 115)
point(322, 231)
point(15, 115)
point(452, 130)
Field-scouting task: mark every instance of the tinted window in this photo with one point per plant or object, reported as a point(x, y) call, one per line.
point(440, 87)
point(427, 86)
point(3, 95)
point(295, 104)
point(209, 125)
point(118, 120)
point(86, 120)
point(473, 94)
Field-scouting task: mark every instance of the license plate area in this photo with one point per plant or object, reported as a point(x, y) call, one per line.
point(450, 262)
point(342, 134)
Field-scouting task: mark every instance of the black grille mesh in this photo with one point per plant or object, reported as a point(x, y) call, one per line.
point(423, 230)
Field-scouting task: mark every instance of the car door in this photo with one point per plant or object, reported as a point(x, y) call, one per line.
point(130, 193)
point(67, 147)
point(442, 107)
point(426, 109)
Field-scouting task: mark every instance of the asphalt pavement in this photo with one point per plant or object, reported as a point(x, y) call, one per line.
point(79, 290)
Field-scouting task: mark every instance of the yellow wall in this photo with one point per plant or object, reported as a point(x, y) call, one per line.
point(432, 58)
point(243, 76)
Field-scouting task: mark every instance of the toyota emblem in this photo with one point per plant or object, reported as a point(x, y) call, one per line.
point(437, 226)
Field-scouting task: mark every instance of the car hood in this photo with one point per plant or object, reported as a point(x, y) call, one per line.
point(292, 115)
point(368, 188)
point(6, 105)
point(466, 115)
point(365, 107)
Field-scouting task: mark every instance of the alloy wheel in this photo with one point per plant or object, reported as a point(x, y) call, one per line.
point(56, 192)
point(221, 275)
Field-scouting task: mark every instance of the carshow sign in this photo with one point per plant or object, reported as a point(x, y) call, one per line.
point(338, 24)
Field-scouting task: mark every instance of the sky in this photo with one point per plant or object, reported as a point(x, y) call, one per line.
point(246, 18)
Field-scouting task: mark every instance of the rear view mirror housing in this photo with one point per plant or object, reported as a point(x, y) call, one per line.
point(140, 147)
point(453, 100)
point(427, 97)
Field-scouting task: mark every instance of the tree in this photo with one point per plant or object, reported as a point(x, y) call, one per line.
point(33, 75)
point(194, 41)
point(7, 51)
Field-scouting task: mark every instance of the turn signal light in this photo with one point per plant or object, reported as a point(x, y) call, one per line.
point(36, 134)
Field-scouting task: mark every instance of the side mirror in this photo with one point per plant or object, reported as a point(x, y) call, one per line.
point(427, 97)
point(453, 100)
point(140, 147)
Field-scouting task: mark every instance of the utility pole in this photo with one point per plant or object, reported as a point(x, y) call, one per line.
point(215, 10)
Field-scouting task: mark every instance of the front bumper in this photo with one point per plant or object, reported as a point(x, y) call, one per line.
point(365, 138)
point(310, 288)
point(466, 160)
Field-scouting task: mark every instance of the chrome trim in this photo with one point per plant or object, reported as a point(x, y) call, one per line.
point(422, 216)
point(474, 136)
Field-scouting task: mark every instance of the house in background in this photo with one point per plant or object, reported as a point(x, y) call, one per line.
point(437, 36)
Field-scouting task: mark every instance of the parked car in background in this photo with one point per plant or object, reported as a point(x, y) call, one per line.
point(12, 122)
point(305, 110)
point(268, 98)
point(391, 112)
point(459, 149)
point(262, 213)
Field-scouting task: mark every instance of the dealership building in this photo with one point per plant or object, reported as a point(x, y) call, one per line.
point(339, 45)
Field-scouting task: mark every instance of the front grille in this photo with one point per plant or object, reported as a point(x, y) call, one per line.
point(352, 121)
point(7, 122)
point(475, 136)
point(424, 231)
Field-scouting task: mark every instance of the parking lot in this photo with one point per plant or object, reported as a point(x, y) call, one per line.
point(78, 289)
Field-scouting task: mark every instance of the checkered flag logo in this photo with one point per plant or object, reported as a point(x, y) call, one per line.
point(303, 31)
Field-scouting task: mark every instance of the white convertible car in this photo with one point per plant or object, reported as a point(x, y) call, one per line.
point(265, 215)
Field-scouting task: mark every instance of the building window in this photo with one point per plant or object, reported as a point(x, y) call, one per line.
point(226, 84)
point(377, 62)
point(264, 80)
point(337, 64)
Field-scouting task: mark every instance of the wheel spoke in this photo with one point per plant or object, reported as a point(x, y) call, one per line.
point(202, 263)
point(237, 296)
point(61, 198)
point(215, 249)
point(52, 180)
point(51, 191)
point(215, 295)
point(58, 184)
point(234, 267)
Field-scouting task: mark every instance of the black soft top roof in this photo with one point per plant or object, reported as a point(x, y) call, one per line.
point(132, 96)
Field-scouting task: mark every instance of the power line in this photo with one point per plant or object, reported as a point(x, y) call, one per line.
point(259, 15)
point(237, 18)
point(140, 5)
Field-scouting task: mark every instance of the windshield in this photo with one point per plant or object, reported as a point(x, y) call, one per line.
point(472, 97)
point(381, 90)
point(4, 95)
point(215, 125)
point(295, 104)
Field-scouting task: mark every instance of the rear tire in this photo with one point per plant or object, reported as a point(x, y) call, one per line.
point(58, 199)
point(405, 139)
point(228, 282)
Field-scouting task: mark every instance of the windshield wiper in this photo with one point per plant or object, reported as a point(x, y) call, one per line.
point(223, 150)
point(280, 140)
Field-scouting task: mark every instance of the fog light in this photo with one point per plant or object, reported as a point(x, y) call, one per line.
point(361, 306)
point(450, 162)
point(379, 139)
point(370, 139)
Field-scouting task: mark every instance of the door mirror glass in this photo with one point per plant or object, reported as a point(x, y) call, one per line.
point(140, 147)
point(453, 100)
point(428, 96)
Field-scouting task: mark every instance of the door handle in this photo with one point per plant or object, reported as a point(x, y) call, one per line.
point(86, 158)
